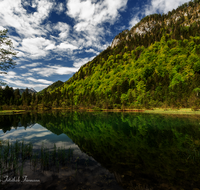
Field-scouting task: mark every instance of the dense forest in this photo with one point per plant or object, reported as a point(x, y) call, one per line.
point(156, 67)
point(51, 87)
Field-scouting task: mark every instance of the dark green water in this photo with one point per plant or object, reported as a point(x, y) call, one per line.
point(156, 151)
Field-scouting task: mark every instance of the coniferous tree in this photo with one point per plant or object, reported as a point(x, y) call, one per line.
point(17, 97)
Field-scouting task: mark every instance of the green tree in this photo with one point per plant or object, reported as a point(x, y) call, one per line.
point(124, 99)
point(1, 96)
point(33, 98)
point(125, 86)
point(8, 94)
point(132, 84)
point(130, 97)
point(6, 61)
point(197, 90)
point(17, 97)
point(26, 97)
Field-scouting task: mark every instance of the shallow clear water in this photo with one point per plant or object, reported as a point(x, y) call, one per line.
point(140, 150)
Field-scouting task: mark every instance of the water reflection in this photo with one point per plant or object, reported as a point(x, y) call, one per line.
point(37, 134)
point(153, 150)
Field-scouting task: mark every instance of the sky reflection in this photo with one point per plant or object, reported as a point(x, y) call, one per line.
point(37, 135)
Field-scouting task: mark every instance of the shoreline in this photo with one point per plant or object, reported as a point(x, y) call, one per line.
point(185, 111)
point(181, 111)
point(3, 112)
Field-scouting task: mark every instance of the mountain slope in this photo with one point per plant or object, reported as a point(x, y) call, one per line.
point(184, 15)
point(51, 87)
point(31, 91)
point(158, 67)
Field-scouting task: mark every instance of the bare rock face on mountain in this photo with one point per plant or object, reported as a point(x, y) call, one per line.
point(119, 38)
point(33, 90)
point(115, 42)
point(187, 16)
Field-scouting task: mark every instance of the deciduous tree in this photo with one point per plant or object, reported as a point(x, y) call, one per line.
point(6, 53)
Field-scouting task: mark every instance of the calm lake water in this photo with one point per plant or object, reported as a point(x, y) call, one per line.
point(124, 150)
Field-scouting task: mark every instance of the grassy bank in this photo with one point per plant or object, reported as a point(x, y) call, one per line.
point(144, 110)
point(172, 111)
point(153, 110)
point(5, 112)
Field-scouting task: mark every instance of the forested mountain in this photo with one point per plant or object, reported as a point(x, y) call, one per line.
point(152, 25)
point(156, 63)
point(51, 87)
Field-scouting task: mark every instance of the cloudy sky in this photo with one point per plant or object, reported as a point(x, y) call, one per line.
point(54, 38)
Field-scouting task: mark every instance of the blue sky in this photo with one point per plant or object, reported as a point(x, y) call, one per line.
point(54, 38)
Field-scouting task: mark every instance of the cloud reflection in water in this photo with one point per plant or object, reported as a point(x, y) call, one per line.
point(38, 135)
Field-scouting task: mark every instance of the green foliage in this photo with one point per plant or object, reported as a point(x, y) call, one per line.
point(124, 98)
point(160, 67)
point(6, 62)
point(51, 87)
point(197, 90)
point(9, 97)
point(162, 72)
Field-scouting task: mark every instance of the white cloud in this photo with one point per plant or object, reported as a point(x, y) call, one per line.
point(155, 6)
point(31, 65)
point(13, 79)
point(63, 34)
point(38, 41)
point(35, 47)
point(48, 26)
point(63, 28)
point(26, 2)
point(2, 28)
point(52, 70)
point(39, 80)
point(95, 13)
point(33, 42)
point(16, 42)
point(50, 47)
point(83, 10)
point(21, 84)
point(34, 64)
point(34, 3)
point(21, 54)
point(91, 15)
point(163, 6)
point(28, 26)
point(11, 75)
point(135, 19)
point(59, 8)
point(102, 47)
point(67, 46)
point(27, 74)
point(79, 62)
point(92, 51)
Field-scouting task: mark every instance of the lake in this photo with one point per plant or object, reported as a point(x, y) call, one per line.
point(108, 150)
